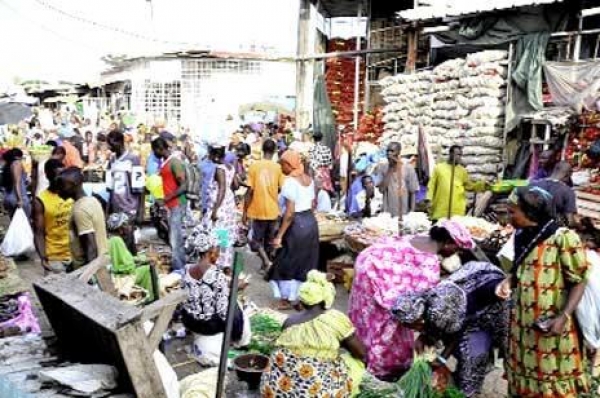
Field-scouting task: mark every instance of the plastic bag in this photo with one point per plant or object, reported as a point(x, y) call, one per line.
point(573, 84)
point(19, 237)
point(588, 310)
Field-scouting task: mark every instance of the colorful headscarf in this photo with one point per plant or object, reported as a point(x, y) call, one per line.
point(116, 221)
point(317, 289)
point(459, 233)
point(294, 160)
point(200, 241)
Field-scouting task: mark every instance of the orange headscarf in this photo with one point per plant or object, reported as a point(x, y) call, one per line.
point(294, 160)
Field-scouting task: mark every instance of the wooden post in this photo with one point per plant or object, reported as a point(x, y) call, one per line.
point(411, 56)
point(301, 65)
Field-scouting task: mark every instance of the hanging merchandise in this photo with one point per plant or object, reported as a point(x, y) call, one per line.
point(340, 78)
point(460, 102)
point(370, 127)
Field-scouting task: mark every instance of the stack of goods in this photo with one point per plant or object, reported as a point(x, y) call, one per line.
point(461, 102)
point(409, 105)
point(340, 77)
point(497, 240)
point(581, 151)
point(370, 127)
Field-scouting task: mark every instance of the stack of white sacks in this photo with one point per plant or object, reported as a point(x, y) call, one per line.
point(461, 102)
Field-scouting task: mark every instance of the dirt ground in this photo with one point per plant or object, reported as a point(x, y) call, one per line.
point(177, 350)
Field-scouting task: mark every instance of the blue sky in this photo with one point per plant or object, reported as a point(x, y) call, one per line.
point(39, 42)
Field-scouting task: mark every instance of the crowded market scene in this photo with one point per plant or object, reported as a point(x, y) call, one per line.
point(407, 206)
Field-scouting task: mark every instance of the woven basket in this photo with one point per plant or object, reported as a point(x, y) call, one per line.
point(355, 245)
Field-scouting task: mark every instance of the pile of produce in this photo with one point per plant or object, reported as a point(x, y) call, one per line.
point(460, 102)
point(497, 239)
point(370, 127)
point(415, 223)
point(479, 228)
point(266, 329)
point(418, 382)
point(340, 80)
point(383, 224)
point(578, 151)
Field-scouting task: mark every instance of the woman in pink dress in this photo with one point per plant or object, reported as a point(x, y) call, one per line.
point(383, 272)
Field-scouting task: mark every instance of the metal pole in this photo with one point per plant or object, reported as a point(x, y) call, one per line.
point(357, 68)
point(237, 265)
point(577, 46)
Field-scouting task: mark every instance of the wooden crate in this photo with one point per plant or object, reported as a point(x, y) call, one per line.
point(588, 205)
point(94, 327)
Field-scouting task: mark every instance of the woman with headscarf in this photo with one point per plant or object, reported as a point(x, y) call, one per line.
point(221, 212)
point(464, 313)
point(388, 269)
point(298, 235)
point(205, 310)
point(14, 182)
point(307, 360)
point(546, 282)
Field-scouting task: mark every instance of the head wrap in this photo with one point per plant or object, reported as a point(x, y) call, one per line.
point(443, 308)
point(410, 307)
point(294, 160)
point(535, 202)
point(459, 233)
point(116, 221)
point(200, 241)
point(230, 158)
point(317, 289)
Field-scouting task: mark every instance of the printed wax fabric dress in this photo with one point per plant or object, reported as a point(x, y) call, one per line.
point(383, 272)
point(307, 361)
point(539, 365)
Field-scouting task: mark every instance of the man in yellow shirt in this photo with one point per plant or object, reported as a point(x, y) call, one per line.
point(448, 186)
point(265, 179)
point(51, 215)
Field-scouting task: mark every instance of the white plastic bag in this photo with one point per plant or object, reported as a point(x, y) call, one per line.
point(588, 310)
point(19, 237)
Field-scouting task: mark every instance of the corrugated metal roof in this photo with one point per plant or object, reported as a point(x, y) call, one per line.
point(449, 9)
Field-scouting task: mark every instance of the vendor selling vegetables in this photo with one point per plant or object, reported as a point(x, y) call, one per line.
point(388, 269)
point(465, 314)
point(307, 359)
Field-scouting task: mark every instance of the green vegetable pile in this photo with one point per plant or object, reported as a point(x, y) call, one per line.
point(416, 383)
point(451, 392)
point(265, 331)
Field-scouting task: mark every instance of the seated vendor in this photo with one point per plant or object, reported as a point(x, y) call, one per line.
point(384, 271)
point(464, 313)
point(123, 263)
point(205, 310)
point(367, 203)
point(307, 354)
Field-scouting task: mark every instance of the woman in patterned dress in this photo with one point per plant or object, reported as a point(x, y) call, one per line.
point(221, 210)
point(464, 313)
point(205, 310)
point(307, 360)
point(383, 272)
point(547, 281)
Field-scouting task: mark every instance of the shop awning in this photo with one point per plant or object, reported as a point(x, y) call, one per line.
point(455, 9)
